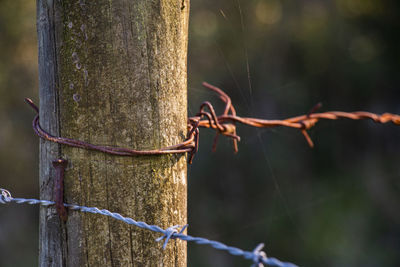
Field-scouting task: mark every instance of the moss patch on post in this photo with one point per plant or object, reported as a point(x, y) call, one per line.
point(118, 78)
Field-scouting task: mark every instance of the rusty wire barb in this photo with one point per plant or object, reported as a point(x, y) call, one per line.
point(224, 124)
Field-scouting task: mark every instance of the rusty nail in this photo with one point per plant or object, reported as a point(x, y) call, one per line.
point(60, 165)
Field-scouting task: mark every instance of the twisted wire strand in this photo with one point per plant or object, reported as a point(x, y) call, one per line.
point(302, 122)
point(257, 256)
point(224, 124)
point(186, 146)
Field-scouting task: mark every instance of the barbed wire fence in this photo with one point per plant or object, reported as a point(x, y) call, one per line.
point(257, 255)
point(224, 124)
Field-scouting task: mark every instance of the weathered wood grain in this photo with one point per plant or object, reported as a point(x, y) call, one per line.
point(113, 73)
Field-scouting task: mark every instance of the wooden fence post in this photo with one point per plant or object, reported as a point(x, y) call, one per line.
point(113, 73)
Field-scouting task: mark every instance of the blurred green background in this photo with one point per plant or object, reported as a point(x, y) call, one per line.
point(335, 205)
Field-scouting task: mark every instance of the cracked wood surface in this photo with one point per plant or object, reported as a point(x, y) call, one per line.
point(113, 73)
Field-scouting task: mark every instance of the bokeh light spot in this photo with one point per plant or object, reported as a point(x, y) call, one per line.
point(268, 11)
point(354, 8)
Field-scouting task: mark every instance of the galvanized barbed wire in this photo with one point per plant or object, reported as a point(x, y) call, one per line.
point(258, 256)
point(224, 124)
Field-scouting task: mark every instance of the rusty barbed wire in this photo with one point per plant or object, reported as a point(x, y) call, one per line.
point(187, 146)
point(224, 124)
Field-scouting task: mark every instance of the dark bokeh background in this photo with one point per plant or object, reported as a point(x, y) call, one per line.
point(335, 205)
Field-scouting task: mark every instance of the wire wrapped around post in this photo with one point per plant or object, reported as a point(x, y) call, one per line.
point(224, 124)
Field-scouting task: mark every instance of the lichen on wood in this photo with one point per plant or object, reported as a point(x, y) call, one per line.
point(113, 73)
